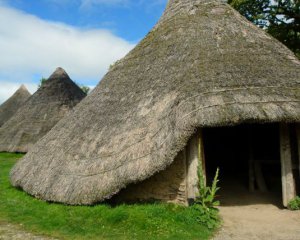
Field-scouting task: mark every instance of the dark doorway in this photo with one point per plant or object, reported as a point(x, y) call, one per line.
point(231, 148)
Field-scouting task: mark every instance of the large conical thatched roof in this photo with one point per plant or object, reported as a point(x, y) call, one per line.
point(40, 113)
point(11, 105)
point(202, 65)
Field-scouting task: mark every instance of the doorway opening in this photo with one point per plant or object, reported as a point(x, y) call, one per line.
point(248, 157)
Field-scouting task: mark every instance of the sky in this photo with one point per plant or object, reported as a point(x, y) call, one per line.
point(82, 36)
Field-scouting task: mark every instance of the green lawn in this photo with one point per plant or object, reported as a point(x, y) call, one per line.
point(147, 221)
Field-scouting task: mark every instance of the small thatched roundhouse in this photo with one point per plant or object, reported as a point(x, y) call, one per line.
point(51, 102)
point(11, 105)
point(203, 65)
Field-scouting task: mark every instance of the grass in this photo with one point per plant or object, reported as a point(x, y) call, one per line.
point(141, 221)
point(294, 204)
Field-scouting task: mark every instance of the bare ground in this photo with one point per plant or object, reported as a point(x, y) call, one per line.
point(256, 222)
point(256, 216)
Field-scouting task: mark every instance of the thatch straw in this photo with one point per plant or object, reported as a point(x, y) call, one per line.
point(11, 105)
point(202, 65)
point(53, 100)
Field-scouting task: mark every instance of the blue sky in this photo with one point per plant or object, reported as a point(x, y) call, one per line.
point(82, 36)
point(129, 19)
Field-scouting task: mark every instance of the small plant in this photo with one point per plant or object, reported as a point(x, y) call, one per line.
point(208, 217)
point(207, 194)
point(205, 202)
point(294, 204)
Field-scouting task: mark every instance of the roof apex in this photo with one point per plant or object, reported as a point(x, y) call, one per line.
point(58, 73)
point(175, 7)
point(23, 88)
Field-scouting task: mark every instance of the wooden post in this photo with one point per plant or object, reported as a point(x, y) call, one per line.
point(193, 162)
point(287, 177)
point(298, 145)
point(255, 171)
point(260, 180)
point(201, 154)
point(184, 159)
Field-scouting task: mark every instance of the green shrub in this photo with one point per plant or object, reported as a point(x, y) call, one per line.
point(205, 202)
point(294, 204)
point(208, 217)
point(207, 194)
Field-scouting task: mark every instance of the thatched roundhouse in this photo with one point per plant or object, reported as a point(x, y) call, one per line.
point(53, 100)
point(11, 105)
point(203, 65)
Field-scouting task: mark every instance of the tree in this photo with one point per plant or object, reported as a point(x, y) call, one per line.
point(85, 89)
point(42, 81)
point(280, 18)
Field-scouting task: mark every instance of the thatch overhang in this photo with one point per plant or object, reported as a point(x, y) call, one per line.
point(53, 100)
point(202, 65)
point(11, 105)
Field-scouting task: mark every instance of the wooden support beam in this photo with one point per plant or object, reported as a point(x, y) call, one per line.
point(255, 171)
point(287, 176)
point(184, 159)
point(298, 145)
point(193, 162)
point(201, 154)
point(260, 180)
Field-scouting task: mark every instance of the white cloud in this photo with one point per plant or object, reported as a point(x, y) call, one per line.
point(86, 4)
point(90, 3)
point(7, 89)
point(31, 46)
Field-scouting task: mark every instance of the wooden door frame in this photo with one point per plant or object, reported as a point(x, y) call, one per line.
point(195, 157)
point(287, 176)
point(298, 145)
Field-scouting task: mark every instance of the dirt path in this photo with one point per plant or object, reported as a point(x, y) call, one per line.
point(12, 232)
point(256, 216)
point(256, 222)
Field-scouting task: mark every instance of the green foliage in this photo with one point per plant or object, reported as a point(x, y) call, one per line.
point(85, 89)
point(42, 81)
point(207, 195)
point(294, 204)
point(140, 221)
point(205, 202)
point(208, 217)
point(281, 18)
